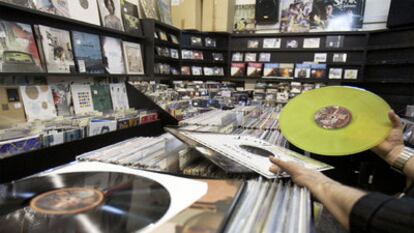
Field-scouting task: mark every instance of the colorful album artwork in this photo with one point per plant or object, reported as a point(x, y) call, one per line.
point(88, 54)
point(18, 146)
point(164, 7)
point(342, 15)
point(24, 3)
point(110, 12)
point(295, 15)
point(82, 98)
point(98, 127)
point(56, 7)
point(113, 55)
point(57, 50)
point(270, 70)
point(318, 71)
point(185, 70)
point(11, 107)
point(148, 9)
point(303, 71)
point(244, 17)
point(85, 11)
point(62, 98)
point(286, 71)
point(254, 69)
point(130, 16)
point(18, 50)
point(133, 58)
point(238, 69)
point(101, 97)
point(38, 102)
point(119, 96)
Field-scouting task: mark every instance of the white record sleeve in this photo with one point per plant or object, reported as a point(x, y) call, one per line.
point(82, 98)
point(38, 102)
point(133, 58)
point(119, 96)
point(85, 11)
point(114, 57)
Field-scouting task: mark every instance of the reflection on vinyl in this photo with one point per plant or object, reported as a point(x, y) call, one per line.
point(82, 202)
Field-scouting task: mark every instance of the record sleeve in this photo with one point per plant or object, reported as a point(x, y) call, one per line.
point(19, 146)
point(164, 7)
point(185, 70)
point(62, 98)
point(295, 15)
point(337, 15)
point(113, 55)
point(174, 39)
point(238, 56)
point(210, 42)
point(85, 11)
point(56, 7)
point(340, 57)
point(163, 35)
point(253, 44)
point(208, 71)
point(254, 69)
point(286, 71)
point(238, 69)
point(11, 111)
point(320, 57)
point(18, 50)
point(101, 126)
point(318, 70)
point(272, 43)
point(270, 70)
point(130, 16)
point(110, 12)
point(198, 55)
point(196, 70)
point(218, 71)
point(38, 102)
point(217, 56)
point(311, 43)
point(82, 98)
point(351, 74)
point(174, 53)
point(101, 97)
point(303, 71)
point(148, 9)
point(335, 73)
point(133, 58)
point(265, 57)
point(57, 49)
point(250, 57)
point(119, 96)
point(196, 41)
point(24, 3)
point(88, 53)
point(334, 41)
point(186, 54)
point(292, 44)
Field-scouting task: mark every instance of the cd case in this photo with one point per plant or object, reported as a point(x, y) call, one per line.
point(243, 154)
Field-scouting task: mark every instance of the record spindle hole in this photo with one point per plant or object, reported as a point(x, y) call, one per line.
point(333, 117)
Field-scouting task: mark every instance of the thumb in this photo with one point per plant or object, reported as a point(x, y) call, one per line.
point(289, 167)
point(395, 119)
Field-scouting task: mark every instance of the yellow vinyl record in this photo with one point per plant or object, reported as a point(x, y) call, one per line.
point(335, 121)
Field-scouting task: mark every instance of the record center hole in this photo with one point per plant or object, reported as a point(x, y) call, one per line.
point(67, 201)
point(333, 117)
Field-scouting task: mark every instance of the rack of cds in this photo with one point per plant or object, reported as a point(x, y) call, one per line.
point(63, 69)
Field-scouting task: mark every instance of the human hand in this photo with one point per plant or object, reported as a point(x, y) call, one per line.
point(391, 147)
point(300, 175)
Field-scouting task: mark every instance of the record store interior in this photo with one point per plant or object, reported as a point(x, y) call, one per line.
point(207, 116)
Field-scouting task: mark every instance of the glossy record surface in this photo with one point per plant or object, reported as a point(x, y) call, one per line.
point(368, 127)
point(130, 203)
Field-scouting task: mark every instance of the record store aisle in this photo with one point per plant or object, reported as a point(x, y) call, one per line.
point(161, 115)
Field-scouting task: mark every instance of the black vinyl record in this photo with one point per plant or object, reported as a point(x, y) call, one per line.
point(82, 202)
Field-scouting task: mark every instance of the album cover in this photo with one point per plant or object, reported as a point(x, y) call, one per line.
point(318, 70)
point(163, 35)
point(210, 42)
point(62, 98)
point(342, 15)
point(351, 74)
point(295, 15)
point(196, 41)
point(217, 56)
point(265, 57)
point(11, 110)
point(174, 39)
point(101, 126)
point(339, 57)
point(101, 97)
point(133, 58)
point(174, 53)
point(110, 12)
point(113, 55)
point(18, 50)
point(88, 54)
point(175, 71)
point(164, 51)
point(335, 73)
point(244, 17)
point(19, 146)
point(218, 71)
point(238, 69)
point(334, 41)
point(148, 9)
point(119, 96)
point(82, 98)
point(38, 102)
point(196, 70)
point(250, 57)
point(156, 35)
point(286, 71)
point(320, 57)
point(237, 56)
point(272, 43)
point(253, 44)
point(303, 71)
point(208, 71)
point(270, 70)
point(292, 44)
point(311, 43)
point(254, 69)
point(185, 70)
point(85, 11)
point(164, 7)
point(56, 7)
point(186, 54)
point(23, 3)
point(198, 55)
point(130, 17)
point(57, 49)
point(295, 88)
